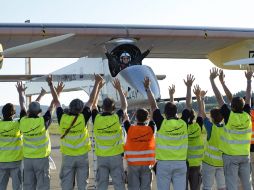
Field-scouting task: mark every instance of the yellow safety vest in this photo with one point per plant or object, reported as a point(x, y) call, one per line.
point(10, 142)
point(77, 141)
point(108, 135)
point(236, 136)
point(195, 145)
point(213, 156)
point(36, 141)
point(172, 140)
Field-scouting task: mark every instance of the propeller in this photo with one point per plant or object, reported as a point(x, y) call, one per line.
point(31, 46)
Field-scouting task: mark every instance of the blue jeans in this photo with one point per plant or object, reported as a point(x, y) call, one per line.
point(209, 173)
point(234, 167)
point(169, 170)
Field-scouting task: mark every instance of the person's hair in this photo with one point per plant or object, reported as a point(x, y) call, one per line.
point(142, 115)
point(76, 106)
point(170, 110)
point(108, 105)
point(237, 104)
point(216, 115)
point(8, 111)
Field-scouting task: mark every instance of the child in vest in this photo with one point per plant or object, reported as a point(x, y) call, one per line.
point(140, 151)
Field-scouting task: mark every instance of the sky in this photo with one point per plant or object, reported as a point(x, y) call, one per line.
point(216, 13)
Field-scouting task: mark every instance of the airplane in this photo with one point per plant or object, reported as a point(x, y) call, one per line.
point(219, 45)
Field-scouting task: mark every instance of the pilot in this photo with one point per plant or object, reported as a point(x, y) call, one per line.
point(125, 60)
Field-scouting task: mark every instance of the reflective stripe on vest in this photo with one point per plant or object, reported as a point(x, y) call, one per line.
point(77, 141)
point(140, 159)
point(195, 145)
point(139, 152)
point(166, 148)
point(213, 156)
point(236, 138)
point(10, 142)
point(36, 138)
point(108, 135)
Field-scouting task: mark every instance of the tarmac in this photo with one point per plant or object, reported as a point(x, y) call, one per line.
point(57, 157)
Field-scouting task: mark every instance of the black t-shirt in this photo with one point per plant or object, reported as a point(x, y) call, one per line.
point(119, 113)
point(46, 117)
point(158, 118)
point(127, 125)
point(86, 113)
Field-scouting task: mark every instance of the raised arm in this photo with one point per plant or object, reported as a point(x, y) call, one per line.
point(150, 95)
point(53, 91)
point(200, 99)
point(98, 80)
point(21, 90)
point(117, 85)
point(171, 90)
point(42, 93)
point(213, 74)
point(188, 83)
point(248, 75)
point(59, 88)
point(225, 88)
point(96, 99)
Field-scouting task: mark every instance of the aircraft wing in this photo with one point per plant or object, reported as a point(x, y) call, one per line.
point(220, 45)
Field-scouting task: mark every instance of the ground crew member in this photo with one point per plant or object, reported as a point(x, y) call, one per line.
point(212, 165)
point(171, 144)
point(140, 151)
point(236, 137)
point(75, 143)
point(109, 141)
point(36, 145)
point(195, 140)
point(11, 149)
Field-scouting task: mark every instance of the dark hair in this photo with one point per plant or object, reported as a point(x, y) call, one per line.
point(237, 104)
point(8, 111)
point(76, 106)
point(108, 105)
point(216, 115)
point(170, 110)
point(251, 99)
point(188, 115)
point(142, 115)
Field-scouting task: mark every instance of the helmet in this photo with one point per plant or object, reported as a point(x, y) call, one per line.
point(125, 54)
point(76, 106)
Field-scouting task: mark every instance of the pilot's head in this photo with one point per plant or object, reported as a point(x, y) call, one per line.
point(125, 58)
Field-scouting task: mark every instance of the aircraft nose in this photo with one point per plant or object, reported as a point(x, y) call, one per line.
point(135, 75)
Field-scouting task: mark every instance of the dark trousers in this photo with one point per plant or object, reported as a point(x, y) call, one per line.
point(194, 178)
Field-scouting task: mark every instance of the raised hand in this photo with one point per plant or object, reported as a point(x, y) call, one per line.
point(101, 84)
point(214, 72)
point(197, 90)
point(221, 76)
point(189, 81)
point(117, 84)
point(20, 87)
point(98, 78)
point(43, 92)
point(147, 82)
point(49, 79)
point(59, 88)
point(248, 74)
point(171, 89)
point(203, 93)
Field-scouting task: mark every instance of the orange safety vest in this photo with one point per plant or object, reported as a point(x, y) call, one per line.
point(252, 121)
point(140, 146)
